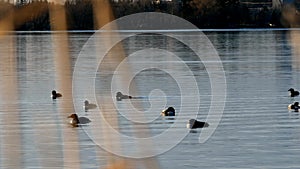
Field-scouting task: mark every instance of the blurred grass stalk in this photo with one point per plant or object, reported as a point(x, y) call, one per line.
point(12, 154)
point(291, 19)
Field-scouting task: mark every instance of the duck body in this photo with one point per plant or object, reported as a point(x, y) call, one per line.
point(193, 124)
point(55, 95)
point(76, 121)
point(120, 96)
point(293, 93)
point(294, 107)
point(88, 105)
point(170, 111)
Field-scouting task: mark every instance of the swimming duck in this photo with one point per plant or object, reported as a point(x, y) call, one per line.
point(293, 92)
point(294, 107)
point(76, 121)
point(170, 111)
point(120, 96)
point(55, 95)
point(88, 105)
point(193, 123)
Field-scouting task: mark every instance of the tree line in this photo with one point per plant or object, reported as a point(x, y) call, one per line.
point(202, 13)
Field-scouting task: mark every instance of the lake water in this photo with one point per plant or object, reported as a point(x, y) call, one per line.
point(255, 129)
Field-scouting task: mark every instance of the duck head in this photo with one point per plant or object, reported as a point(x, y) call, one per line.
point(291, 90)
point(53, 94)
point(119, 96)
point(86, 102)
point(74, 120)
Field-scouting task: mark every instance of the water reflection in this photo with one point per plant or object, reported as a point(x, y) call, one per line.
point(295, 41)
point(256, 127)
point(112, 115)
point(63, 81)
point(11, 132)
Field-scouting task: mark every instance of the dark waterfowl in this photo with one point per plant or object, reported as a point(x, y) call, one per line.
point(76, 121)
point(293, 92)
point(193, 123)
point(88, 105)
point(55, 95)
point(120, 96)
point(170, 111)
point(295, 107)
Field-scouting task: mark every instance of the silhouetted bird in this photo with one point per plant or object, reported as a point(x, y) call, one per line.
point(193, 123)
point(293, 92)
point(170, 111)
point(120, 96)
point(55, 95)
point(294, 107)
point(75, 121)
point(88, 105)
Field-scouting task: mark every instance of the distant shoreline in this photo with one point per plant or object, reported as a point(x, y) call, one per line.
point(158, 31)
point(211, 15)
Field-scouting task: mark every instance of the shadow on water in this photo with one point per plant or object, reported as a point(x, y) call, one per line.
point(193, 131)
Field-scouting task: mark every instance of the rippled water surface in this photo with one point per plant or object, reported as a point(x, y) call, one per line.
point(255, 131)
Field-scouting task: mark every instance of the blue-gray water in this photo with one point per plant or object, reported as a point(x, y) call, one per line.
point(255, 131)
